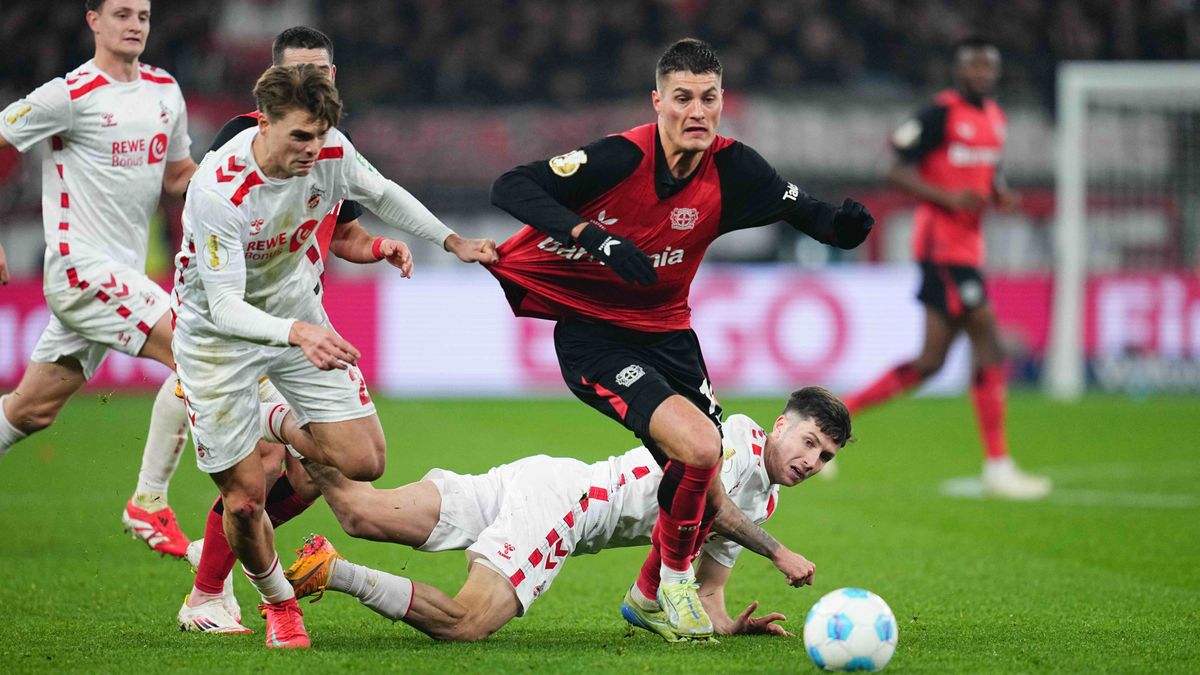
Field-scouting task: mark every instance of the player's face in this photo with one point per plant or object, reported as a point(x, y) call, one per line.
point(796, 450)
point(292, 143)
point(294, 56)
point(121, 26)
point(977, 70)
point(689, 110)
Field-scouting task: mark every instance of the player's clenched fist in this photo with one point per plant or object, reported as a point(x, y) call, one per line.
point(851, 224)
point(472, 250)
point(798, 570)
point(323, 347)
point(618, 253)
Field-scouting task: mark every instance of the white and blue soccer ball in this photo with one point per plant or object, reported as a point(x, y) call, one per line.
point(850, 629)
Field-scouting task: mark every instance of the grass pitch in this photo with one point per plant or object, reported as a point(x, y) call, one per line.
point(1102, 577)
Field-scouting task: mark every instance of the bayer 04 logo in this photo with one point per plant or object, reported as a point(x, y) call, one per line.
point(850, 629)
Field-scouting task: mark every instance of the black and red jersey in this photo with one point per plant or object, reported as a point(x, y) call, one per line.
point(344, 212)
point(622, 183)
point(957, 145)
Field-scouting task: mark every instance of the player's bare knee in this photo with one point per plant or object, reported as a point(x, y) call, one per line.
point(244, 508)
point(467, 628)
point(703, 446)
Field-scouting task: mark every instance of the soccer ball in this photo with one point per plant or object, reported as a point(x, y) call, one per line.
point(850, 629)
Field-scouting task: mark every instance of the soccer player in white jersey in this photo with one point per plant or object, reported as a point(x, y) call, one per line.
point(248, 304)
point(116, 132)
point(519, 521)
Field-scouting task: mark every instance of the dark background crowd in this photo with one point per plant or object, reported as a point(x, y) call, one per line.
point(480, 52)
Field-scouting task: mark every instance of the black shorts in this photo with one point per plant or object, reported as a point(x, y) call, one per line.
point(953, 290)
point(626, 374)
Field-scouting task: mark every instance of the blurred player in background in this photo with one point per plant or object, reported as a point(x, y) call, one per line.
point(212, 605)
point(616, 231)
point(117, 134)
point(249, 304)
point(948, 156)
point(519, 522)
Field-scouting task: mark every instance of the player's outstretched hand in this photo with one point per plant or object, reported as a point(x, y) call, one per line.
point(323, 346)
point(618, 253)
point(851, 224)
point(3, 267)
point(472, 250)
point(397, 255)
point(798, 570)
point(745, 624)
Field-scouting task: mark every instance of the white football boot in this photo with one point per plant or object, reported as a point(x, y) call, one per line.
point(228, 599)
point(1002, 479)
point(208, 617)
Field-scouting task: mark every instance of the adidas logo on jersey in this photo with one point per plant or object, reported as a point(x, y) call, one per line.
point(670, 256)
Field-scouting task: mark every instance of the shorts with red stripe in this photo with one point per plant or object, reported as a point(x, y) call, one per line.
point(626, 374)
point(521, 520)
point(108, 306)
point(952, 290)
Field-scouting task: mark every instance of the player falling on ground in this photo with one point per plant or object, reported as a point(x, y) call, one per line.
point(518, 522)
point(212, 606)
point(117, 134)
point(616, 231)
point(948, 157)
point(244, 316)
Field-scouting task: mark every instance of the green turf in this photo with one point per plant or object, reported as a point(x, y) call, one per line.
point(1101, 578)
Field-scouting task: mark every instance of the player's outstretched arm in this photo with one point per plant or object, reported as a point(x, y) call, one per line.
point(713, 576)
point(734, 524)
point(352, 242)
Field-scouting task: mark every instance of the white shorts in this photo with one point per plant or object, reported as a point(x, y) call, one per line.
point(113, 306)
point(220, 389)
point(523, 518)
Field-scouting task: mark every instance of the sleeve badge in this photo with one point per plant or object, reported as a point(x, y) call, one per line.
point(565, 166)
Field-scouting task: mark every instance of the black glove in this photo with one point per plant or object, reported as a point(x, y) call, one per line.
point(851, 224)
point(618, 253)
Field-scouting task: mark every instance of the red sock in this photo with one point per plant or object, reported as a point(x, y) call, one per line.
point(987, 393)
point(681, 497)
point(216, 559)
point(648, 578)
point(893, 383)
point(283, 503)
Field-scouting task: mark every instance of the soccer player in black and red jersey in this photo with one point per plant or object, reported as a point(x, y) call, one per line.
point(948, 156)
point(616, 231)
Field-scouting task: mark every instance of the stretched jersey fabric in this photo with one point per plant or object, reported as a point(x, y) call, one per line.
point(348, 210)
point(628, 485)
point(956, 145)
point(102, 178)
point(622, 184)
point(252, 234)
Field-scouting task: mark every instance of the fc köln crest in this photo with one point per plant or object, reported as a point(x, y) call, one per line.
point(684, 219)
point(314, 199)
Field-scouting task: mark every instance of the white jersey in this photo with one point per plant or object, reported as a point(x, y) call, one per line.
point(623, 502)
point(239, 223)
point(103, 175)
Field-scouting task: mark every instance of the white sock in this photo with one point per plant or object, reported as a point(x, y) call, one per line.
point(165, 439)
point(666, 575)
point(270, 418)
point(9, 434)
point(385, 594)
point(641, 600)
point(271, 584)
point(198, 597)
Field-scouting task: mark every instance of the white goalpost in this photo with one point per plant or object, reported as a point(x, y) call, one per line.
point(1127, 190)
